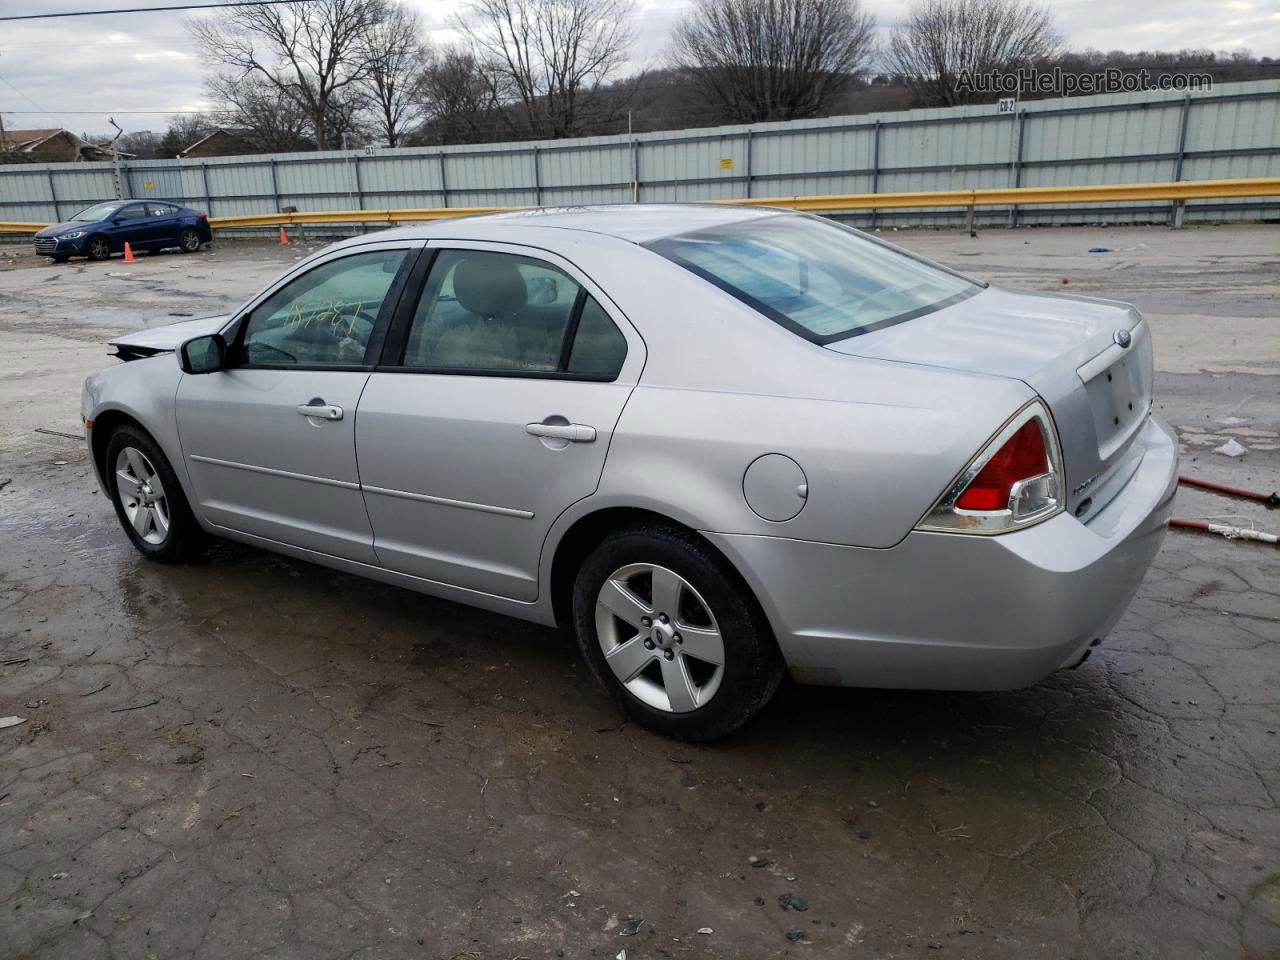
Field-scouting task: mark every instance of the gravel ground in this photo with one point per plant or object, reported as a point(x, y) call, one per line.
point(256, 757)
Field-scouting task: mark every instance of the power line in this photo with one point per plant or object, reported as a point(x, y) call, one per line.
point(180, 6)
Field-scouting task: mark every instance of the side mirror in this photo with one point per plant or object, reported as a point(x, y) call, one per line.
point(117, 220)
point(206, 354)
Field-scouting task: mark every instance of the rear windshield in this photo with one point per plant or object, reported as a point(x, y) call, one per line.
point(819, 279)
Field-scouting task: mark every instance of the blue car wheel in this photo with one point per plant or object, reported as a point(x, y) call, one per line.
point(98, 247)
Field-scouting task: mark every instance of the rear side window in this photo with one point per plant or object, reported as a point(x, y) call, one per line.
point(487, 312)
point(818, 279)
point(598, 347)
point(161, 209)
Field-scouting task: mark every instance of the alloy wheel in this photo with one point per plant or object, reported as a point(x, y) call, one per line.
point(659, 637)
point(99, 248)
point(142, 495)
point(189, 241)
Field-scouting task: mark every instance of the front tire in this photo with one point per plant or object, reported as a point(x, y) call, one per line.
point(188, 240)
point(148, 499)
point(672, 633)
point(99, 248)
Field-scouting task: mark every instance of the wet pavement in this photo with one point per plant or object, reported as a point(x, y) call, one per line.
point(256, 757)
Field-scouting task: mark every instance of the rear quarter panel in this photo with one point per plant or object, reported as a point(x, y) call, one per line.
point(722, 385)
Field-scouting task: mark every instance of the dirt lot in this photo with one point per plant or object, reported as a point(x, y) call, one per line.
point(254, 757)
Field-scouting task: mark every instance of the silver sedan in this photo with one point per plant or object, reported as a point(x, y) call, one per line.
point(718, 444)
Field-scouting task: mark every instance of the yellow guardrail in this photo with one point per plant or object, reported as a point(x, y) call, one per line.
point(991, 197)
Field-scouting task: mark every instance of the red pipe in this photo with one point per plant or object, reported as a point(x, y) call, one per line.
point(1268, 500)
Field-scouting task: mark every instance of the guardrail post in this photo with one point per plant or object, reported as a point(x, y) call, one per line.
point(537, 178)
point(204, 181)
point(635, 171)
point(53, 195)
point(875, 175)
point(355, 167)
point(1017, 166)
point(968, 221)
point(444, 182)
point(275, 187)
point(1179, 206)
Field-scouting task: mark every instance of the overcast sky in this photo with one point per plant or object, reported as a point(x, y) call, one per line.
point(74, 72)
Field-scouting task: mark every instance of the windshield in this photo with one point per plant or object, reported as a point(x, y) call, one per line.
point(94, 214)
point(818, 279)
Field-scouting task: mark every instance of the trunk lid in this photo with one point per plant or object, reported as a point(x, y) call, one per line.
point(146, 343)
point(1066, 348)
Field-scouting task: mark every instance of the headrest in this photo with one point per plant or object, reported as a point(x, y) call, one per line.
point(490, 286)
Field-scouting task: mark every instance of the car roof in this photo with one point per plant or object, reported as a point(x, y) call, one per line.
point(634, 222)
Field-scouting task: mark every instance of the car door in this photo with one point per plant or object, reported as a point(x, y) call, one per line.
point(502, 384)
point(162, 228)
point(270, 441)
point(129, 225)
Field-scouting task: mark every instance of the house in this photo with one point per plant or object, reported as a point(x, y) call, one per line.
point(222, 142)
point(53, 145)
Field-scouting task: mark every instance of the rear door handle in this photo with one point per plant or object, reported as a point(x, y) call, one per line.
point(573, 432)
point(321, 410)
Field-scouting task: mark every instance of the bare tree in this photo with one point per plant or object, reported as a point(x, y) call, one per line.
point(396, 54)
point(549, 57)
point(456, 99)
point(254, 109)
point(184, 130)
point(307, 51)
point(772, 59)
point(943, 39)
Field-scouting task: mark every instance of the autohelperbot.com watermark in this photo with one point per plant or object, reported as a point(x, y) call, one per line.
point(1056, 81)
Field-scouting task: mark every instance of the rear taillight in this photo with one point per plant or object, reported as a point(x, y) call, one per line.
point(1015, 481)
point(202, 216)
point(1022, 457)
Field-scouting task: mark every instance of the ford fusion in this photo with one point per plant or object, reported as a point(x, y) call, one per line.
point(718, 444)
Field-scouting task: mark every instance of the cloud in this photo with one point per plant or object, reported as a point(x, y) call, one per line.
point(76, 72)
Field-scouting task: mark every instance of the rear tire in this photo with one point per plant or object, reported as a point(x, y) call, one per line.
point(98, 248)
point(188, 240)
point(148, 499)
point(661, 667)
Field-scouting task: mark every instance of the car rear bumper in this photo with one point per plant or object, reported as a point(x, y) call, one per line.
point(956, 612)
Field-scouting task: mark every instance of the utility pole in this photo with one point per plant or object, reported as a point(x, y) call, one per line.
point(4, 144)
point(115, 159)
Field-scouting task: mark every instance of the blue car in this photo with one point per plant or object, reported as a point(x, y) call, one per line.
point(104, 229)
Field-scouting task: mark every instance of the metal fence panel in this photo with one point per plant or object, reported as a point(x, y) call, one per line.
point(1231, 131)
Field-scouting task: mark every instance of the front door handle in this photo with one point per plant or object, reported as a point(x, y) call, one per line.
point(573, 432)
point(320, 410)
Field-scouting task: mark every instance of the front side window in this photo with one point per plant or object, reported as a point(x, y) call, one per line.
point(823, 281)
point(135, 211)
point(487, 312)
point(325, 317)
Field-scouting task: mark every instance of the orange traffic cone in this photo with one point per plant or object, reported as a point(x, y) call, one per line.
point(284, 238)
point(128, 253)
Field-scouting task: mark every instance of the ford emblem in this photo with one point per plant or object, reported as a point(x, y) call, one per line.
point(1122, 338)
